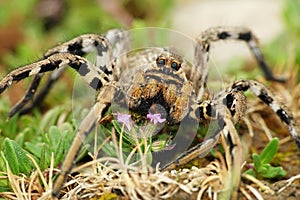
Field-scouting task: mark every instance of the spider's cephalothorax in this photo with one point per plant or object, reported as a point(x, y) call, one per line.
point(163, 83)
point(160, 78)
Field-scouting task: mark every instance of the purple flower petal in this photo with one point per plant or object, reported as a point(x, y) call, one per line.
point(155, 118)
point(125, 119)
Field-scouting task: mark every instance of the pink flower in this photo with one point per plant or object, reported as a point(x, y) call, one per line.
point(155, 118)
point(125, 119)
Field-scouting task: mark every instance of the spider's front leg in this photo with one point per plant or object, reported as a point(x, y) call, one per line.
point(104, 100)
point(109, 47)
point(214, 34)
point(78, 46)
point(19, 106)
point(224, 116)
point(93, 76)
point(234, 101)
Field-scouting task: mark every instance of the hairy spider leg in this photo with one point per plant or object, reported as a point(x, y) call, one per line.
point(19, 106)
point(92, 75)
point(105, 97)
point(233, 101)
point(203, 43)
point(78, 46)
point(109, 47)
point(203, 112)
point(267, 97)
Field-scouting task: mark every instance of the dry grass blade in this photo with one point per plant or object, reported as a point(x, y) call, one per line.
point(255, 192)
point(13, 180)
point(261, 185)
point(39, 172)
point(289, 182)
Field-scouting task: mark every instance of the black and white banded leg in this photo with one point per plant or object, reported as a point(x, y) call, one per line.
point(109, 47)
point(267, 97)
point(214, 34)
point(234, 101)
point(218, 111)
point(92, 75)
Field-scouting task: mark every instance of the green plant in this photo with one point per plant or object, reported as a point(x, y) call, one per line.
point(35, 136)
point(262, 167)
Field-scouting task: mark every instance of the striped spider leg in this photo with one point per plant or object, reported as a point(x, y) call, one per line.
point(108, 46)
point(204, 41)
point(234, 101)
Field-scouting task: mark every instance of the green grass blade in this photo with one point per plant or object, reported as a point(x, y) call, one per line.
point(256, 160)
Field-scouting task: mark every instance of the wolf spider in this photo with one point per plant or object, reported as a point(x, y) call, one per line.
point(163, 79)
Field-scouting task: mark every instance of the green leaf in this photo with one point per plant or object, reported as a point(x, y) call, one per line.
point(20, 137)
point(9, 127)
point(16, 157)
point(66, 127)
point(43, 158)
point(273, 172)
point(250, 172)
point(50, 118)
point(126, 139)
point(282, 172)
point(59, 152)
point(33, 148)
point(263, 169)
point(117, 126)
point(2, 163)
point(4, 187)
point(68, 139)
point(11, 156)
point(269, 151)
point(54, 137)
point(256, 160)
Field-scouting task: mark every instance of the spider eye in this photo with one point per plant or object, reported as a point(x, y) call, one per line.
point(175, 65)
point(160, 62)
